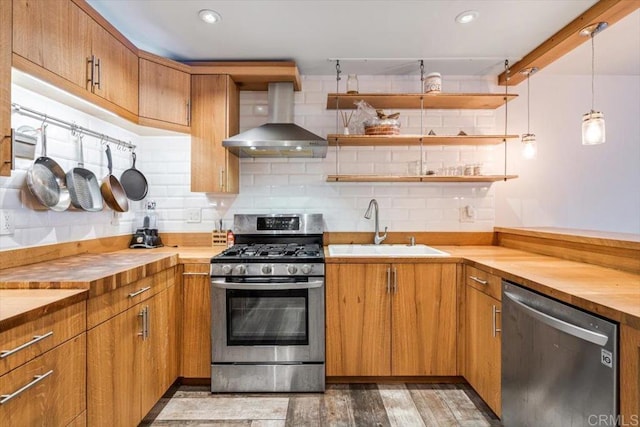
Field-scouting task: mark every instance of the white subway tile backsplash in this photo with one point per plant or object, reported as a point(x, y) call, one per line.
point(274, 185)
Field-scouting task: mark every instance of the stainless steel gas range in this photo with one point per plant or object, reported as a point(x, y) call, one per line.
point(267, 302)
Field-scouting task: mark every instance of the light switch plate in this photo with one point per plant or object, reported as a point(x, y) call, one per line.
point(7, 222)
point(194, 215)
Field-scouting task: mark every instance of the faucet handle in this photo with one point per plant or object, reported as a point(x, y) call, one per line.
point(412, 240)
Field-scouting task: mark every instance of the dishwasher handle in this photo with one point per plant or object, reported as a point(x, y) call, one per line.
point(561, 325)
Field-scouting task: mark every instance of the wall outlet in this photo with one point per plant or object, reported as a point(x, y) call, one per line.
point(194, 215)
point(7, 222)
point(467, 214)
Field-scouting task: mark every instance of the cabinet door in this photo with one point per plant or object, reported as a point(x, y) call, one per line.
point(114, 380)
point(57, 398)
point(118, 69)
point(158, 363)
point(53, 35)
point(629, 375)
point(165, 93)
point(483, 366)
point(5, 89)
point(423, 322)
point(214, 116)
point(196, 321)
point(358, 316)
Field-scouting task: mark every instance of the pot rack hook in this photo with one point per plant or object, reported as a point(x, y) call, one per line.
point(44, 120)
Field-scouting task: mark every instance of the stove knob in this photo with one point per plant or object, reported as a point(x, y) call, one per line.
point(226, 269)
point(306, 269)
point(240, 269)
point(267, 269)
point(292, 269)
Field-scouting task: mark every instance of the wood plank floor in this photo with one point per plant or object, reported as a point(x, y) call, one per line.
point(402, 405)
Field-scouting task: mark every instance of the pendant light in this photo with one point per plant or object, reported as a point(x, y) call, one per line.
point(593, 131)
point(529, 144)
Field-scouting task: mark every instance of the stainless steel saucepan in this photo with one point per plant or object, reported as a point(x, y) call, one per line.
point(83, 186)
point(46, 180)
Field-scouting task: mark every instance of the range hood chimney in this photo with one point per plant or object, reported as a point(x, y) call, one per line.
point(280, 137)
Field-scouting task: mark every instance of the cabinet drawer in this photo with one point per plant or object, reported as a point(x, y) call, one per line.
point(485, 282)
point(107, 305)
point(57, 391)
point(33, 338)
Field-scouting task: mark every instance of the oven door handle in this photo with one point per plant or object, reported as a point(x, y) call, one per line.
point(268, 286)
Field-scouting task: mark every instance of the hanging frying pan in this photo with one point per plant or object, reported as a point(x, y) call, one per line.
point(111, 189)
point(46, 180)
point(83, 186)
point(134, 182)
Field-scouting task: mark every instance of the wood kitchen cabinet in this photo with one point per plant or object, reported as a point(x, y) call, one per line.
point(391, 319)
point(482, 337)
point(196, 322)
point(132, 359)
point(214, 117)
point(629, 375)
point(5, 89)
point(165, 93)
point(42, 371)
point(58, 41)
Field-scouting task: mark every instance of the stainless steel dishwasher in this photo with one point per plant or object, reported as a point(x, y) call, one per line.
point(559, 364)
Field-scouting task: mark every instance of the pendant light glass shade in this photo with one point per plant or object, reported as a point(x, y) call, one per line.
point(529, 146)
point(593, 128)
point(593, 131)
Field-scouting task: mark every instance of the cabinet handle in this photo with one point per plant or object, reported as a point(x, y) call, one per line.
point(389, 280)
point(495, 310)
point(91, 60)
point(395, 280)
point(36, 338)
point(99, 68)
point(479, 280)
point(141, 315)
point(4, 398)
point(221, 179)
point(146, 322)
point(139, 291)
point(188, 112)
point(195, 274)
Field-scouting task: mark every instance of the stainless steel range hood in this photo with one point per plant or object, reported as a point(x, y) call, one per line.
point(280, 137)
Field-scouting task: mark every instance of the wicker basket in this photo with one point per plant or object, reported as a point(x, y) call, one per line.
point(382, 127)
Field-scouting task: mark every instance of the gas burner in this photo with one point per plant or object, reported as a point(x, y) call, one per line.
point(278, 252)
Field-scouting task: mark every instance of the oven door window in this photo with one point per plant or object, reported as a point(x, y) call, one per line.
point(269, 317)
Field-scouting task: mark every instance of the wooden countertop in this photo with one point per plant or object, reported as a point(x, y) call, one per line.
point(611, 293)
point(18, 306)
point(99, 273)
point(186, 254)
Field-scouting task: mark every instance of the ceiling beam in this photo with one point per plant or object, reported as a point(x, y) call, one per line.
point(568, 38)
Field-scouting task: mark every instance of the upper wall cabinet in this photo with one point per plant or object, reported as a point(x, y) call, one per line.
point(165, 93)
point(61, 43)
point(5, 90)
point(215, 113)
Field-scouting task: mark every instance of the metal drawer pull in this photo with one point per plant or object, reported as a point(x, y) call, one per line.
point(36, 338)
point(496, 310)
point(138, 292)
point(388, 280)
point(36, 379)
point(479, 280)
point(195, 274)
point(99, 68)
point(395, 280)
point(144, 315)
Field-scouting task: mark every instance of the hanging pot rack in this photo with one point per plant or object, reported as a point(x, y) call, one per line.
point(74, 128)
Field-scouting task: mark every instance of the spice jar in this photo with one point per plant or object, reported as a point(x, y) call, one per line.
point(433, 83)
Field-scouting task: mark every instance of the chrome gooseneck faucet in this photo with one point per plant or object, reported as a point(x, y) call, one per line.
point(377, 239)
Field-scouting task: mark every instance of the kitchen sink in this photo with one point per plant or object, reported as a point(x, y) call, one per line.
point(385, 251)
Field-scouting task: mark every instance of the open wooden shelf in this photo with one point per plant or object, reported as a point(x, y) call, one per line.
point(418, 178)
point(403, 140)
point(448, 101)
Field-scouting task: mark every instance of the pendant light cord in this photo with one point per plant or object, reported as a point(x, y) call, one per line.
point(593, 68)
point(528, 102)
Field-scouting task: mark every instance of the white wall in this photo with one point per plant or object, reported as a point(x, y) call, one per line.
point(568, 184)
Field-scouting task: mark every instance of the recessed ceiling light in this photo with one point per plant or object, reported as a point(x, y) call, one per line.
point(467, 16)
point(209, 16)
